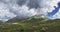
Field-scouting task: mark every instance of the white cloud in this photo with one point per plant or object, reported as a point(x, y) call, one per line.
point(4, 12)
point(10, 9)
point(48, 6)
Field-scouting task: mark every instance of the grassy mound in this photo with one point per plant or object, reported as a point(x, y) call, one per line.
point(32, 24)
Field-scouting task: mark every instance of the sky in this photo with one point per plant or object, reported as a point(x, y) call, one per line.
point(27, 8)
point(48, 6)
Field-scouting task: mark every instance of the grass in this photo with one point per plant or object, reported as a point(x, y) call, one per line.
point(32, 24)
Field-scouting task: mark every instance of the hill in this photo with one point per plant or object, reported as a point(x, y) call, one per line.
point(32, 24)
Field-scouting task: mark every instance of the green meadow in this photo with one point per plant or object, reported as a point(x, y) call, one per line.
point(32, 24)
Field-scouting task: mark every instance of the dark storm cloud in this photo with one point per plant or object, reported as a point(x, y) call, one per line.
point(21, 2)
point(30, 4)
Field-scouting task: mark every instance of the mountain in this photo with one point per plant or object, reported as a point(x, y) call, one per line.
point(30, 19)
point(31, 24)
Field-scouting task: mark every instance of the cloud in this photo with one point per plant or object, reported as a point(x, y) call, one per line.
point(48, 6)
point(4, 12)
point(10, 9)
point(26, 8)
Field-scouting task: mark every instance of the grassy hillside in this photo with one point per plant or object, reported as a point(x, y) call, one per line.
point(32, 24)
